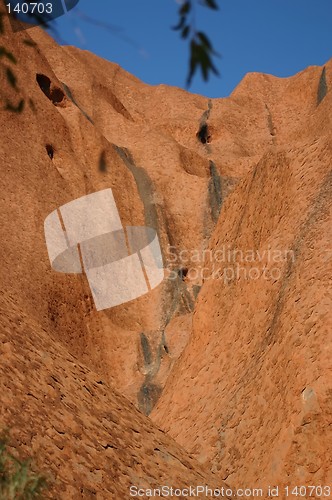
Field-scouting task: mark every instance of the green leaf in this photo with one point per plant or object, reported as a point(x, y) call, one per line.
point(205, 66)
point(205, 41)
point(32, 105)
point(15, 109)
point(29, 43)
point(200, 57)
point(5, 53)
point(185, 9)
point(1, 23)
point(185, 32)
point(17, 480)
point(103, 162)
point(180, 25)
point(211, 4)
point(12, 80)
point(193, 62)
point(215, 70)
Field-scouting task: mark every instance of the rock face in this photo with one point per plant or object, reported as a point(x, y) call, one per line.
point(90, 441)
point(91, 127)
point(234, 368)
point(251, 394)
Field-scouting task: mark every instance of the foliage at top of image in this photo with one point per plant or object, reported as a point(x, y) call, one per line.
point(8, 62)
point(201, 48)
point(17, 481)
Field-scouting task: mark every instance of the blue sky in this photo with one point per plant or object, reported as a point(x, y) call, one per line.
point(280, 37)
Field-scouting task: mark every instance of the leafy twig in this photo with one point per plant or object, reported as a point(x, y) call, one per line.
point(201, 49)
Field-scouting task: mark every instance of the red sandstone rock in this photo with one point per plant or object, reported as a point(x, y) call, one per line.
point(250, 396)
point(248, 386)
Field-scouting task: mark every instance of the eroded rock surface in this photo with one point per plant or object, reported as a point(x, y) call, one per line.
point(251, 394)
point(235, 369)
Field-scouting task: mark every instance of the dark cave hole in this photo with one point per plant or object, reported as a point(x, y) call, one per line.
point(203, 134)
point(182, 273)
point(44, 83)
point(54, 94)
point(50, 151)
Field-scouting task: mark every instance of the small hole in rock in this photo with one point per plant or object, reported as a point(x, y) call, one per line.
point(57, 96)
point(54, 94)
point(203, 134)
point(44, 83)
point(50, 151)
point(183, 273)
